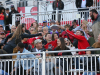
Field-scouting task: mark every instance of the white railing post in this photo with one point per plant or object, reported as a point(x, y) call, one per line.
point(43, 63)
point(13, 19)
point(57, 15)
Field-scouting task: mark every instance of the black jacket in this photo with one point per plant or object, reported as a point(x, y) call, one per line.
point(10, 16)
point(88, 3)
point(60, 5)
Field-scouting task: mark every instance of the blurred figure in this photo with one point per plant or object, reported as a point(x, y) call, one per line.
point(74, 25)
point(35, 26)
point(39, 27)
point(45, 24)
point(13, 29)
point(57, 5)
point(12, 12)
point(45, 30)
point(31, 29)
point(54, 36)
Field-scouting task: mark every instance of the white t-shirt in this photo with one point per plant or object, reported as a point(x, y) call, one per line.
point(83, 5)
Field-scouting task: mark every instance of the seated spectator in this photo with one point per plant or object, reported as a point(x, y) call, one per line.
point(69, 45)
point(31, 29)
point(39, 27)
point(82, 42)
point(45, 24)
point(65, 35)
point(45, 30)
point(61, 46)
point(54, 36)
point(38, 46)
point(74, 25)
point(21, 49)
point(97, 45)
point(35, 25)
point(48, 37)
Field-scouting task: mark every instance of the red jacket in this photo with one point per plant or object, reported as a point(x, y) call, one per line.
point(82, 42)
point(52, 43)
point(64, 35)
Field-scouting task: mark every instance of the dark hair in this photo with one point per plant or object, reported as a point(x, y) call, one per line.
point(53, 36)
point(81, 32)
point(21, 45)
point(47, 34)
point(62, 44)
point(2, 8)
point(94, 11)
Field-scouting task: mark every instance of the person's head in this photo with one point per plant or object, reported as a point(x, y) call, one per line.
point(52, 22)
point(24, 39)
point(74, 22)
point(19, 30)
point(58, 22)
point(48, 37)
point(89, 52)
point(44, 23)
point(39, 27)
point(12, 8)
point(67, 27)
point(7, 10)
point(54, 36)
point(34, 24)
point(2, 35)
point(84, 25)
point(20, 47)
point(38, 44)
point(79, 32)
point(41, 37)
point(93, 14)
point(13, 28)
point(61, 43)
point(68, 42)
point(31, 29)
point(1, 27)
point(99, 38)
point(45, 30)
point(2, 9)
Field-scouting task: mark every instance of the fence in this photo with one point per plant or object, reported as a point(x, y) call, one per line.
point(48, 64)
point(64, 16)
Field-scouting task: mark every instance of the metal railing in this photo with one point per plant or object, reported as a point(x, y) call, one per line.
point(49, 64)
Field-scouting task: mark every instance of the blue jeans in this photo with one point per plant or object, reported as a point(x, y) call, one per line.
point(89, 73)
point(2, 23)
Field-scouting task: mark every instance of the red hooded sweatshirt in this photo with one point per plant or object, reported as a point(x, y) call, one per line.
point(82, 42)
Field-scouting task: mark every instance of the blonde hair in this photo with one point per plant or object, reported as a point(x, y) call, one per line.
point(45, 28)
point(85, 22)
point(12, 27)
point(36, 25)
point(18, 32)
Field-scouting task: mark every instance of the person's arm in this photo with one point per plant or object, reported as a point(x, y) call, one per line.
point(30, 36)
point(78, 37)
point(9, 36)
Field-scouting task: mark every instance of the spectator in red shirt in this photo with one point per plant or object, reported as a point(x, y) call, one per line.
point(65, 35)
point(82, 42)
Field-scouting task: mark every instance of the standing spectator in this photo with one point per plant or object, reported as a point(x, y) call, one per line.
point(7, 19)
point(21, 49)
point(96, 23)
point(82, 42)
point(57, 5)
point(16, 37)
point(74, 25)
point(12, 12)
point(84, 4)
point(2, 16)
point(45, 24)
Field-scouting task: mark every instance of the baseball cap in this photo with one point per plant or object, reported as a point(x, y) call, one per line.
point(12, 6)
point(44, 21)
point(52, 21)
point(37, 41)
point(7, 8)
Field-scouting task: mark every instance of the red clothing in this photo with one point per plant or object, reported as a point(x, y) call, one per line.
point(82, 42)
point(1, 16)
point(52, 43)
point(98, 0)
point(64, 35)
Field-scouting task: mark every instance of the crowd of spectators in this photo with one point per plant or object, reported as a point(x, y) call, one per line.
point(48, 38)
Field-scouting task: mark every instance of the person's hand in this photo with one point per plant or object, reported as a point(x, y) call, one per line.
point(28, 71)
point(12, 71)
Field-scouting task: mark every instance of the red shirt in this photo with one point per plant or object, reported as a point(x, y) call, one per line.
point(98, 0)
point(82, 42)
point(1, 16)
